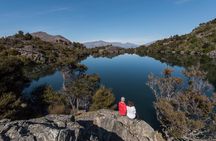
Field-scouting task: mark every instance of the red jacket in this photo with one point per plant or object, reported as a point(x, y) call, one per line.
point(122, 108)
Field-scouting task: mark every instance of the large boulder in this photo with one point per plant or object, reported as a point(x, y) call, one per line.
point(102, 125)
point(123, 127)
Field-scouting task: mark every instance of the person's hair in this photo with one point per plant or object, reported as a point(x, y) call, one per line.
point(122, 99)
point(130, 103)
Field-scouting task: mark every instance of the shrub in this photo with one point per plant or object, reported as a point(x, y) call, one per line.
point(9, 105)
point(187, 114)
point(49, 101)
point(103, 98)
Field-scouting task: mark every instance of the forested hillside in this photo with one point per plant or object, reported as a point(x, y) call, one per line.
point(201, 41)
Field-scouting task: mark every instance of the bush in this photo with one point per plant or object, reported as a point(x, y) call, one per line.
point(9, 105)
point(28, 36)
point(187, 114)
point(103, 98)
point(56, 109)
point(48, 101)
point(81, 91)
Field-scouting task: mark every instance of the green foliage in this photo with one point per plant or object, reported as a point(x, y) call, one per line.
point(9, 105)
point(11, 75)
point(166, 87)
point(172, 118)
point(103, 98)
point(206, 64)
point(49, 101)
point(81, 68)
point(200, 40)
point(82, 90)
point(23, 58)
point(55, 102)
point(188, 113)
point(28, 36)
point(84, 86)
point(108, 51)
point(19, 34)
point(185, 113)
point(51, 53)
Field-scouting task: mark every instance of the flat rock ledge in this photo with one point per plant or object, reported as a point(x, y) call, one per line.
point(102, 125)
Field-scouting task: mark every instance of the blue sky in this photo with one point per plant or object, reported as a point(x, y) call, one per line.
point(138, 21)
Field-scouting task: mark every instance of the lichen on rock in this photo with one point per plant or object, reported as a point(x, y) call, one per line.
point(102, 125)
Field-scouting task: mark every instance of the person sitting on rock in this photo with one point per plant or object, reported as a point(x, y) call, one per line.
point(122, 107)
point(131, 110)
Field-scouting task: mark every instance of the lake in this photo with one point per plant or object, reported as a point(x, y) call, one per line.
point(55, 80)
point(126, 75)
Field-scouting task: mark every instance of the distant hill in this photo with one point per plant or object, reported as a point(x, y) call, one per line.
point(202, 40)
point(43, 48)
point(103, 43)
point(51, 38)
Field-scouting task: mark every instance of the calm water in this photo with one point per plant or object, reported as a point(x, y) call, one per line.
point(126, 75)
point(55, 80)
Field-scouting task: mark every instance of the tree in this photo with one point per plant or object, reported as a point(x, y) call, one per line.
point(28, 36)
point(196, 79)
point(185, 113)
point(103, 98)
point(11, 74)
point(48, 101)
point(21, 33)
point(56, 103)
point(165, 87)
point(9, 105)
point(81, 68)
point(80, 91)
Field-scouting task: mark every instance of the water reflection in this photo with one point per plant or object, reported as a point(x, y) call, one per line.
point(127, 75)
point(55, 80)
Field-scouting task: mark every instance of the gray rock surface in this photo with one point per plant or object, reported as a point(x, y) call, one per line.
point(30, 52)
point(51, 38)
point(212, 54)
point(102, 125)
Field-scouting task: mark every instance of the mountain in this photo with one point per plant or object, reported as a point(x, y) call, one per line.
point(51, 38)
point(201, 41)
point(43, 48)
point(103, 43)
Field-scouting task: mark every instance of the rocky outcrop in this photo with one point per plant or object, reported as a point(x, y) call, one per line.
point(30, 52)
point(102, 125)
point(51, 38)
point(123, 127)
